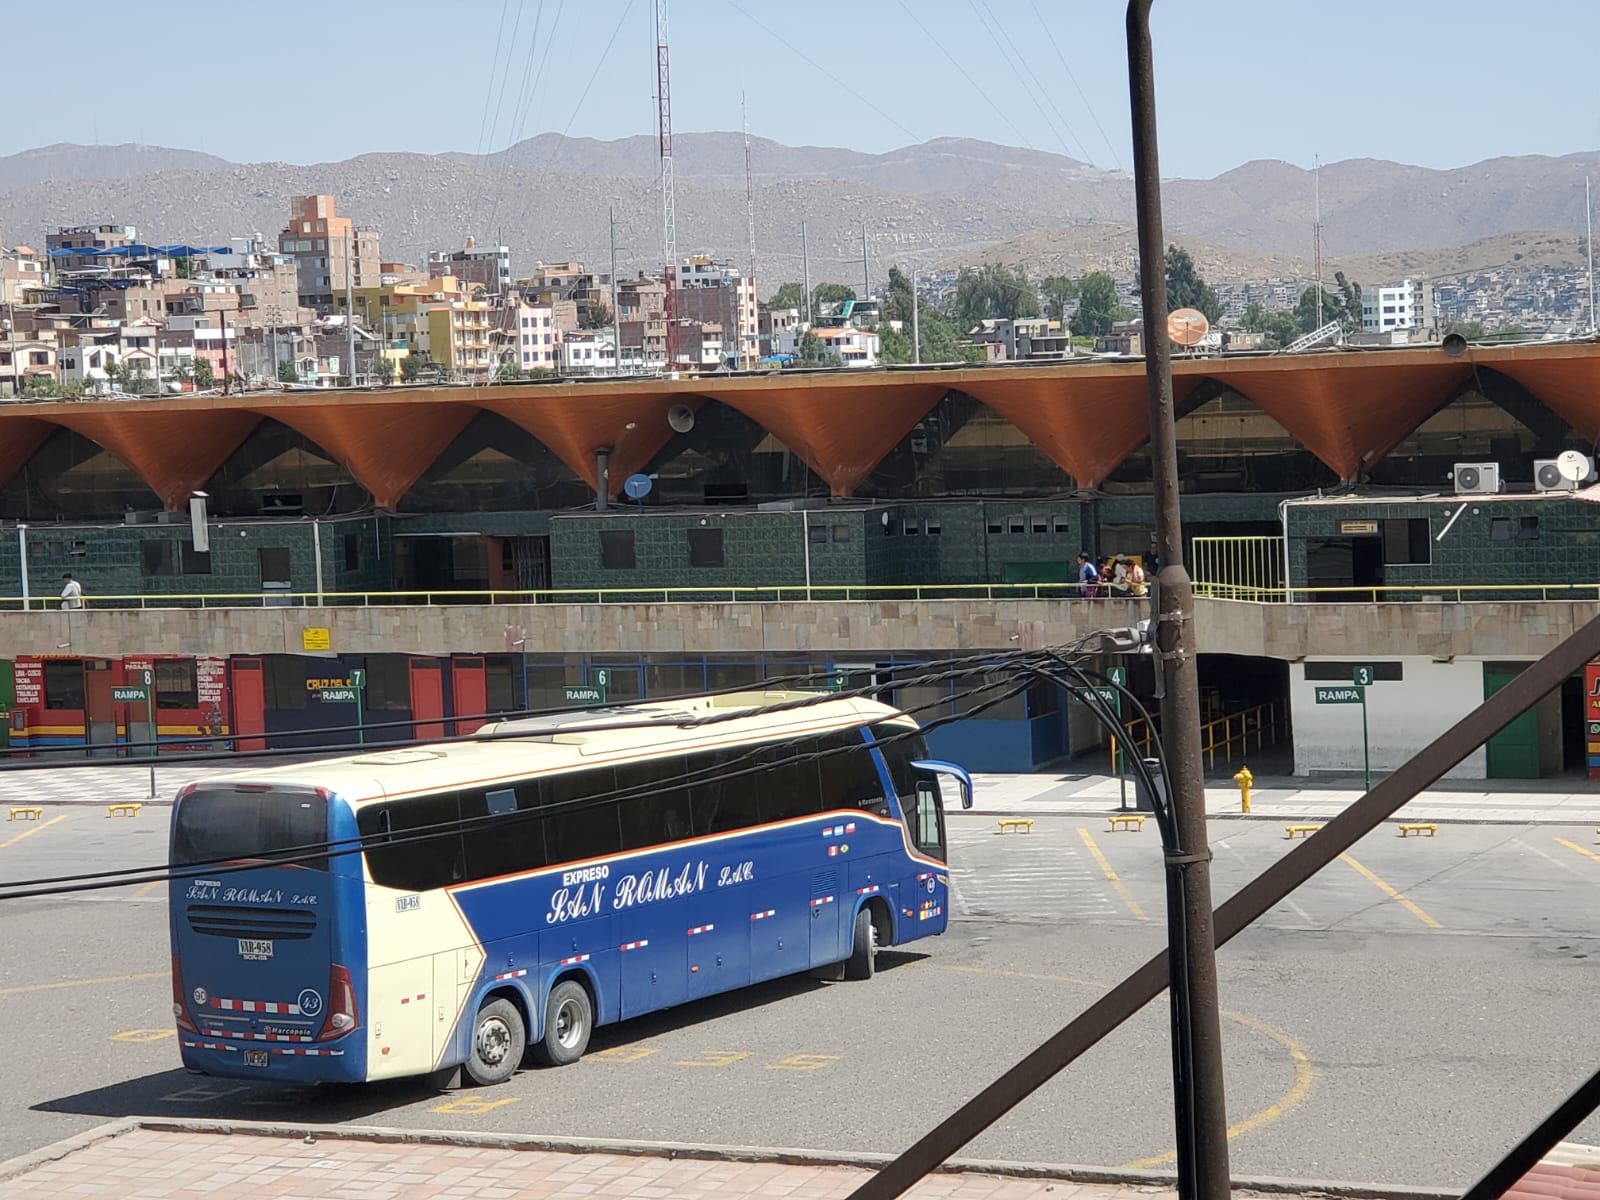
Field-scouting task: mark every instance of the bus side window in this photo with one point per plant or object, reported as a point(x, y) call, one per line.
point(786, 784)
point(659, 812)
point(849, 773)
point(414, 844)
point(500, 831)
point(584, 831)
point(720, 805)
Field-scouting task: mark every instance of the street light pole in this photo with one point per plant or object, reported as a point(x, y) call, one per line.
point(1197, 1036)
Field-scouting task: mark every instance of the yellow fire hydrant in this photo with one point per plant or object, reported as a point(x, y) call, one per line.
point(1244, 779)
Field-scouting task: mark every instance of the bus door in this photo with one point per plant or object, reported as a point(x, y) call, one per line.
point(100, 711)
point(926, 890)
point(827, 902)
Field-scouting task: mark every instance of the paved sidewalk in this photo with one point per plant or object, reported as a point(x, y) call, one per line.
point(1564, 801)
point(127, 1161)
point(153, 1164)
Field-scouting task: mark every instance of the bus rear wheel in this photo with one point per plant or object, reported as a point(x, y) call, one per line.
point(498, 1042)
point(863, 960)
point(568, 1021)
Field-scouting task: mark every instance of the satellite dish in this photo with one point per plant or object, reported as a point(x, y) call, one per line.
point(681, 418)
point(1575, 466)
point(1188, 326)
point(638, 486)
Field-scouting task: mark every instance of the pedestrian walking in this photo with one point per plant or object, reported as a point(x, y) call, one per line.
point(1088, 577)
point(71, 592)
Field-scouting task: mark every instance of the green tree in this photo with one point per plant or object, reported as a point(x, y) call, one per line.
point(383, 368)
point(595, 315)
point(203, 375)
point(1280, 328)
point(1350, 301)
point(1185, 287)
point(1098, 309)
point(410, 368)
point(1255, 317)
point(184, 267)
point(287, 372)
point(1058, 292)
point(790, 295)
point(993, 291)
point(1306, 313)
point(509, 371)
point(1471, 330)
point(900, 305)
point(814, 354)
point(828, 293)
point(894, 345)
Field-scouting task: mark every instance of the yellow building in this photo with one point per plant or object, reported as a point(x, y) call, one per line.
point(437, 321)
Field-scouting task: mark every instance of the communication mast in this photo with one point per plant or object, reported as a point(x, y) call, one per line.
point(1316, 231)
point(748, 352)
point(669, 217)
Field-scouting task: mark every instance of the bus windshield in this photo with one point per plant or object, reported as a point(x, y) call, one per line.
point(224, 824)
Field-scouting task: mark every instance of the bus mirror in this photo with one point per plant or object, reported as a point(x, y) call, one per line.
point(959, 774)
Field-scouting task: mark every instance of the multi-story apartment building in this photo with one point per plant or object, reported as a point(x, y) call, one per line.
point(642, 320)
point(88, 238)
point(486, 268)
point(706, 291)
point(591, 352)
point(329, 251)
point(22, 270)
point(534, 341)
point(590, 294)
point(1410, 304)
point(439, 322)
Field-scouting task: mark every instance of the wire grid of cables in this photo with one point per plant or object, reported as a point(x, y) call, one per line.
point(1002, 676)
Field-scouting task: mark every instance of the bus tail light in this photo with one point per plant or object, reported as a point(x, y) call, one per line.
point(342, 1015)
point(180, 1010)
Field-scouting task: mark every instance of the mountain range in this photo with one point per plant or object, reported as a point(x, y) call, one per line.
point(945, 201)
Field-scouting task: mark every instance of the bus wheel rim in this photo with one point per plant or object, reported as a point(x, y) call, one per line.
point(569, 1023)
point(494, 1039)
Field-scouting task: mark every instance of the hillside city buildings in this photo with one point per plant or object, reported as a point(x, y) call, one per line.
point(103, 308)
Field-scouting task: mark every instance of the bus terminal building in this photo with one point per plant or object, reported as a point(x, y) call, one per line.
point(1398, 508)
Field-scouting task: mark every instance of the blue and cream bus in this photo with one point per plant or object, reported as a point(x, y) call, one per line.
point(513, 892)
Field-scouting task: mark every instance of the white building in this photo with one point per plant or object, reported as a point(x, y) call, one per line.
point(587, 353)
point(1410, 304)
point(855, 347)
point(535, 337)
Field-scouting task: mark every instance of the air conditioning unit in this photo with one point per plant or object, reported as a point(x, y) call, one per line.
point(1547, 477)
point(1476, 479)
point(1565, 474)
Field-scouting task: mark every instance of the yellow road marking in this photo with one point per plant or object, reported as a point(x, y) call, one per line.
point(72, 983)
point(1304, 1074)
point(1391, 893)
point(144, 1035)
point(1121, 888)
point(34, 830)
point(148, 888)
point(1584, 850)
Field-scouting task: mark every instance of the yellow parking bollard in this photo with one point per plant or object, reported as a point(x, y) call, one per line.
point(1244, 779)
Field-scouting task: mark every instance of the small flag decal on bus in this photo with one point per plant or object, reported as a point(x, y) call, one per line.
point(263, 1037)
point(867, 891)
point(929, 912)
point(635, 945)
point(576, 958)
point(762, 916)
point(823, 900)
point(701, 929)
point(408, 1000)
point(511, 975)
point(210, 1046)
point(925, 876)
point(312, 1053)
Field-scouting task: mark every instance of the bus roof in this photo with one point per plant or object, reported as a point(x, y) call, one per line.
point(548, 748)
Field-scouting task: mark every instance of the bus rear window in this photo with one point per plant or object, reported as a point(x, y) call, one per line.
point(222, 824)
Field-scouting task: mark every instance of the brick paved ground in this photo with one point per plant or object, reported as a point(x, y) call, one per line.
point(152, 1165)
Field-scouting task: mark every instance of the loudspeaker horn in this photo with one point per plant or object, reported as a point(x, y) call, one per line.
point(681, 418)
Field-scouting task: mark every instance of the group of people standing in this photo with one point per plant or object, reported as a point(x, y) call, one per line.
point(1121, 575)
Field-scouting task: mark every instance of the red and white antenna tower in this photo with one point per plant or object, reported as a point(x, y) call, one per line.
point(669, 216)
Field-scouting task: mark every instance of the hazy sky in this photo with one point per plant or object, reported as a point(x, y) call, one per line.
point(1434, 82)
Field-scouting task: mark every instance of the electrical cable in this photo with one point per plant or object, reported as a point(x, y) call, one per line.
point(1040, 22)
point(440, 831)
point(989, 100)
point(980, 11)
point(798, 53)
point(494, 67)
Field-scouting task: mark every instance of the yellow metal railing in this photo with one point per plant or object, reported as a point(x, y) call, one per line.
point(1237, 568)
point(797, 593)
point(1266, 723)
point(1410, 593)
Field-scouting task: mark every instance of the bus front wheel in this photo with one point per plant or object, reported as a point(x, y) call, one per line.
point(864, 952)
point(498, 1041)
point(568, 1021)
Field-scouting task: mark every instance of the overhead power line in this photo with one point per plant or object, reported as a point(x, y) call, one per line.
point(988, 99)
point(494, 67)
point(801, 54)
point(1115, 157)
point(1016, 56)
